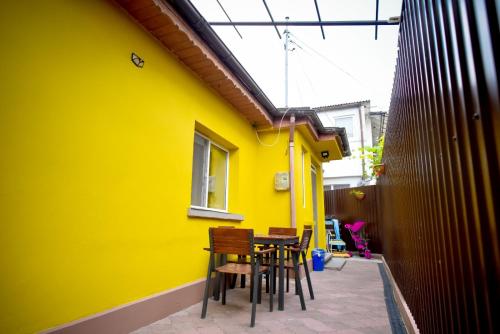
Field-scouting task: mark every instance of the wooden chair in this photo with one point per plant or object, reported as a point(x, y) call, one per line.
point(237, 242)
point(283, 230)
point(301, 249)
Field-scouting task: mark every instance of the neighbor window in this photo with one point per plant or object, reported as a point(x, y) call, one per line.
point(347, 123)
point(209, 179)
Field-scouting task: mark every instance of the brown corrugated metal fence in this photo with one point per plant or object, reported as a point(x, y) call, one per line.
point(344, 206)
point(440, 193)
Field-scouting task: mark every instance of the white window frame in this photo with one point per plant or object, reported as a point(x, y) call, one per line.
point(303, 178)
point(343, 117)
point(206, 178)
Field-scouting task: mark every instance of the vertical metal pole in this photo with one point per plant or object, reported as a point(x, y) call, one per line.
point(361, 127)
point(291, 153)
point(291, 150)
point(286, 33)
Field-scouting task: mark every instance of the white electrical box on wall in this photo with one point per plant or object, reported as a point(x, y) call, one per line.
point(281, 181)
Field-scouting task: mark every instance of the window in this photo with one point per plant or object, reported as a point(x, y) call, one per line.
point(347, 123)
point(303, 178)
point(210, 170)
point(341, 186)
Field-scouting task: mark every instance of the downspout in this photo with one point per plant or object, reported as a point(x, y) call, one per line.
point(291, 153)
point(361, 126)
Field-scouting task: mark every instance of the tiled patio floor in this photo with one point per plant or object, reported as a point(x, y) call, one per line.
point(349, 301)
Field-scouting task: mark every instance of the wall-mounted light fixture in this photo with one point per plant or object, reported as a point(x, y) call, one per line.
point(325, 154)
point(138, 61)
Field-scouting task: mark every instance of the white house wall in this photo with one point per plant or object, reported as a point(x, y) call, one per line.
point(348, 170)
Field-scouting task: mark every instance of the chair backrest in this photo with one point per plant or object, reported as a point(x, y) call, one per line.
point(236, 241)
point(336, 228)
point(308, 227)
point(306, 238)
point(283, 230)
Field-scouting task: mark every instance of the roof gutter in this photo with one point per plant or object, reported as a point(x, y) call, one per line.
point(311, 113)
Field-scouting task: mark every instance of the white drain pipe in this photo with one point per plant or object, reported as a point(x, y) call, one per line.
point(291, 153)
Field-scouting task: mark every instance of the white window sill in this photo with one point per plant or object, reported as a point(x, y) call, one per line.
point(201, 213)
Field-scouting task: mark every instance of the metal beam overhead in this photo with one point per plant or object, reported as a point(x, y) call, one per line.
point(231, 21)
point(319, 18)
point(307, 23)
point(272, 19)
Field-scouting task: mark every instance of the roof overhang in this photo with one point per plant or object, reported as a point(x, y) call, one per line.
point(321, 144)
point(163, 22)
point(188, 36)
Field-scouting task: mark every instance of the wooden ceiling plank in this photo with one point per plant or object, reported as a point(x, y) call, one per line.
point(217, 76)
point(197, 61)
point(174, 38)
point(145, 13)
point(187, 52)
point(134, 5)
point(155, 22)
point(184, 46)
point(164, 30)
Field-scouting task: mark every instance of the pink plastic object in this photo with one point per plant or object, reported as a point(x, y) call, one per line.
point(357, 226)
point(360, 243)
point(368, 254)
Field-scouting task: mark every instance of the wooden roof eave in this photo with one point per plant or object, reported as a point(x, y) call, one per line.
point(158, 18)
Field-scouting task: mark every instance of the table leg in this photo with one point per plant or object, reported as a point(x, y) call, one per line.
point(281, 285)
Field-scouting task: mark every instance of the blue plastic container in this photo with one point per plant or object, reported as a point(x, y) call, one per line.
point(318, 257)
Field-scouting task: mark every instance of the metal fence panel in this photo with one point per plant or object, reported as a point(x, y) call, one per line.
point(439, 197)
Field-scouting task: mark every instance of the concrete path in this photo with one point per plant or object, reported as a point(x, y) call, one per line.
point(350, 301)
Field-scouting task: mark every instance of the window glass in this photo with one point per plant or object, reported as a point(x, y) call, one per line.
point(217, 178)
point(198, 191)
point(209, 175)
point(347, 123)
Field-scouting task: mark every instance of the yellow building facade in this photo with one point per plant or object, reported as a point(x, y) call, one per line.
point(96, 165)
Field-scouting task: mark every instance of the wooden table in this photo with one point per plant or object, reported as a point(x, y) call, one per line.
point(280, 241)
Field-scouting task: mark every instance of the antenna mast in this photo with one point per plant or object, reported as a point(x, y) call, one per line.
point(287, 37)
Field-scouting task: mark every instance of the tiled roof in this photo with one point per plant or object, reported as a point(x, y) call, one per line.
point(341, 105)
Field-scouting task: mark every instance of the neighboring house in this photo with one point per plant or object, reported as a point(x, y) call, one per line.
point(112, 173)
point(363, 129)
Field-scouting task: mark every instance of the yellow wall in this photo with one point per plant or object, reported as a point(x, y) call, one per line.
point(305, 213)
point(95, 167)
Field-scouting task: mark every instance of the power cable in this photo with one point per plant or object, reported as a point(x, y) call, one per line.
point(331, 62)
point(277, 136)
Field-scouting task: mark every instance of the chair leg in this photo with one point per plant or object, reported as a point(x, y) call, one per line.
point(216, 290)
point(308, 276)
point(222, 260)
point(259, 292)
point(254, 294)
point(242, 281)
point(252, 286)
point(271, 281)
point(295, 258)
point(288, 256)
point(267, 283)
point(233, 281)
point(207, 288)
point(287, 280)
point(275, 278)
point(223, 283)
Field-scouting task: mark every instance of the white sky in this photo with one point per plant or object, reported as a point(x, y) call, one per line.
point(348, 66)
